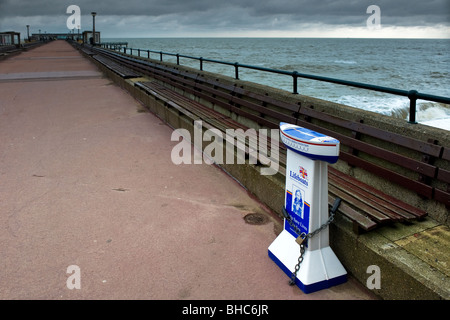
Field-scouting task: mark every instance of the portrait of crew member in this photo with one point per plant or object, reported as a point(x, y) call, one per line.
point(297, 206)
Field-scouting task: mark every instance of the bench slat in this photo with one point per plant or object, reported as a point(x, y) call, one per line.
point(416, 186)
point(418, 213)
point(361, 220)
point(378, 203)
point(373, 213)
point(366, 198)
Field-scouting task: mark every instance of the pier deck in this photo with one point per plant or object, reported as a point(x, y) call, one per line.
point(87, 180)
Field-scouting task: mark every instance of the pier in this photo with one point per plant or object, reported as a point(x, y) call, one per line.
point(87, 180)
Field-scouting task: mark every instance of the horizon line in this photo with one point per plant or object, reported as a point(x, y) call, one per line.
point(279, 37)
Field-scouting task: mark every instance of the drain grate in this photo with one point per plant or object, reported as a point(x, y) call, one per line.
point(255, 218)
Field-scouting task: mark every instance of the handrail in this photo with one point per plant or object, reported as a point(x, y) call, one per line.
point(412, 95)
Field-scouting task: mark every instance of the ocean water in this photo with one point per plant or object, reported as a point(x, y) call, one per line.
point(406, 64)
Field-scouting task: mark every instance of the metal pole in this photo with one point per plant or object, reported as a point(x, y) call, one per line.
point(294, 76)
point(412, 95)
point(93, 27)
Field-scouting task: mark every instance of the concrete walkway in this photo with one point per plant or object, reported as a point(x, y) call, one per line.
point(86, 179)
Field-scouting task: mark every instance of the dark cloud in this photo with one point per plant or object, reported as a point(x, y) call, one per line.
point(239, 14)
point(325, 11)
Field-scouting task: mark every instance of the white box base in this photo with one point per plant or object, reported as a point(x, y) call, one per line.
point(319, 270)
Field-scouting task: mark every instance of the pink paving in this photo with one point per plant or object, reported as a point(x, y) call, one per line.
point(87, 180)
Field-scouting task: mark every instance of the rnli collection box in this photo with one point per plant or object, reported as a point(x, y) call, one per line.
point(306, 203)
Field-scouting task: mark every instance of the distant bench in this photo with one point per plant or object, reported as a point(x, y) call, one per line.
point(407, 162)
point(9, 50)
point(120, 69)
point(113, 65)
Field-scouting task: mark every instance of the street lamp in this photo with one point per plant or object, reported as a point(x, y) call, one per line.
point(93, 27)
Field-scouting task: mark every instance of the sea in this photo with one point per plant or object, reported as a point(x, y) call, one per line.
point(405, 64)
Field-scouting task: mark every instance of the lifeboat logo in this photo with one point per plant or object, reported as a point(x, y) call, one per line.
point(300, 176)
point(303, 173)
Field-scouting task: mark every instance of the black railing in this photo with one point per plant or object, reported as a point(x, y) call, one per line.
point(412, 95)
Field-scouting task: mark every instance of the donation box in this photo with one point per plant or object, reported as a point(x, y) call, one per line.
point(306, 205)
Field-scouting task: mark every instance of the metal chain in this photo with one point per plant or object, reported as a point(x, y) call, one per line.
point(297, 266)
point(306, 236)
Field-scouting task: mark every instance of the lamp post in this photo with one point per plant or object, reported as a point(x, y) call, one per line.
point(93, 27)
point(28, 32)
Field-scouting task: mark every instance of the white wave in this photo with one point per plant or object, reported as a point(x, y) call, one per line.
point(435, 115)
point(428, 113)
point(388, 106)
point(440, 123)
point(345, 61)
point(432, 111)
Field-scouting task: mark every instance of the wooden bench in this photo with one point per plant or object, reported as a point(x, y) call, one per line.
point(405, 161)
point(87, 50)
point(9, 53)
point(116, 67)
point(10, 49)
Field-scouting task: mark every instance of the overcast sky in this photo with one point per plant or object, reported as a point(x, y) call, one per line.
point(234, 18)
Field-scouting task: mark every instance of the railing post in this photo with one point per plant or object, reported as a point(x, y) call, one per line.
point(412, 95)
point(125, 50)
point(160, 56)
point(178, 59)
point(139, 52)
point(294, 76)
point(148, 54)
point(236, 70)
point(201, 63)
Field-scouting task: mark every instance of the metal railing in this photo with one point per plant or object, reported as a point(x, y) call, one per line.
point(412, 95)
